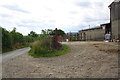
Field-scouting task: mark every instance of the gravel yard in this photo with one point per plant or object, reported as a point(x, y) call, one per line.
point(86, 60)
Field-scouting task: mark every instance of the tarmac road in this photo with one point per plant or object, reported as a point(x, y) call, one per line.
point(9, 55)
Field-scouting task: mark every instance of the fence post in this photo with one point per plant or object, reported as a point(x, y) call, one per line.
point(56, 39)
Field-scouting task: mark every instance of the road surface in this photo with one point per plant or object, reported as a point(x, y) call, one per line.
point(86, 60)
point(9, 55)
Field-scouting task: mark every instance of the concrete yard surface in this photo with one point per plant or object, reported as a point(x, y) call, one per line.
point(86, 60)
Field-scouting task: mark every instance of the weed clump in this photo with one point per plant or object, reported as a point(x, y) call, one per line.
point(46, 48)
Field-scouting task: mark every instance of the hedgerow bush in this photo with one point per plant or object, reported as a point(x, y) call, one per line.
point(43, 46)
point(46, 48)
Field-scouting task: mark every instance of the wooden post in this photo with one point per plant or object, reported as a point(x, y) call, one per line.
point(56, 39)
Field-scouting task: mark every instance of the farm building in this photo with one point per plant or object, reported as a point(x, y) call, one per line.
point(92, 34)
point(96, 34)
point(108, 31)
point(115, 19)
point(72, 36)
point(107, 28)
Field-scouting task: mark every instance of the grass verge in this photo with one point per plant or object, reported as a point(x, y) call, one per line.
point(64, 50)
point(8, 50)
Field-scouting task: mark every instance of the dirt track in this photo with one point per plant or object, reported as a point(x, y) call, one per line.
point(86, 60)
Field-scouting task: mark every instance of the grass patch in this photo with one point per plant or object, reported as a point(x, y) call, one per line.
point(8, 50)
point(63, 50)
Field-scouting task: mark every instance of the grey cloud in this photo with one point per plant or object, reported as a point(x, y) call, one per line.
point(25, 25)
point(52, 21)
point(21, 25)
point(88, 18)
point(33, 24)
point(15, 8)
point(74, 28)
point(99, 4)
point(73, 12)
point(95, 20)
point(29, 21)
point(32, 27)
point(50, 9)
point(5, 15)
point(83, 4)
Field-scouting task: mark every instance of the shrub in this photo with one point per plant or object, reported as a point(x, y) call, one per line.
point(43, 46)
point(63, 50)
point(46, 48)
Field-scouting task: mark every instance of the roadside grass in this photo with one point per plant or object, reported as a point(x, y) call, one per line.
point(8, 50)
point(64, 50)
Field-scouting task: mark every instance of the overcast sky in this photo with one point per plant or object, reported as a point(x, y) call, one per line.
point(68, 15)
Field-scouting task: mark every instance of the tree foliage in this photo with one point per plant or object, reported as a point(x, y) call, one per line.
point(13, 39)
point(60, 32)
point(47, 31)
point(33, 34)
point(16, 37)
point(6, 39)
point(52, 32)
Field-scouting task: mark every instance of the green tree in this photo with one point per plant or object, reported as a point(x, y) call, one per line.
point(6, 39)
point(43, 31)
point(16, 37)
point(33, 34)
point(47, 31)
point(60, 32)
point(28, 39)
